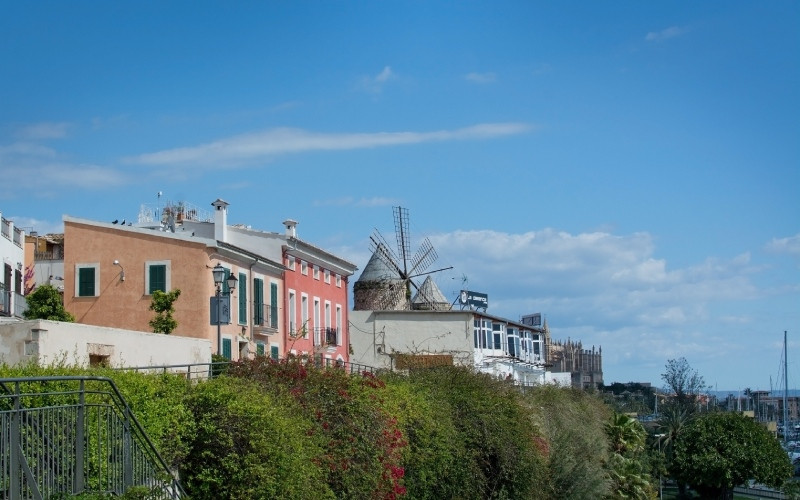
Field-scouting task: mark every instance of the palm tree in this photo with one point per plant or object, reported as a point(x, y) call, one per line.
point(625, 433)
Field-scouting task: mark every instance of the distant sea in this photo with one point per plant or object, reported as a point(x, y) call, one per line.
point(735, 392)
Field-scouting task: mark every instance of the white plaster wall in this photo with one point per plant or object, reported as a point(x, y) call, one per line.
point(48, 342)
point(376, 334)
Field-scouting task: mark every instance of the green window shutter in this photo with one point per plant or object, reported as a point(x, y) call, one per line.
point(226, 348)
point(86, 282)
point(158, 278)
point(225, 288)
point(258, 301)
point(260, 349)
point(242, 299)
point(273, 307)
point(273, 352)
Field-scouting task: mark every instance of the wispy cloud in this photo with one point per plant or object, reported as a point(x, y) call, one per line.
point(45, 130)
point(789, 245)
point(375, 83)
point(665, 34)
point(480, 77)
point(258, 146)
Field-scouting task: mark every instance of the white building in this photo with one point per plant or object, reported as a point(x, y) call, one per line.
point(12, 252)
point(74, 344)
point(398, 340)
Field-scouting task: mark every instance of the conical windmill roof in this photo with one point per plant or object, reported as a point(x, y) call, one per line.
point(377, 270)
point(429, 293)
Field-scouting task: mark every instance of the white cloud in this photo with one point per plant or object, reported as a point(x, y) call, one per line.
point(374, 84)
point(614, 291)
point(480, 77)
point(789, 245)
point(45, 130)
point(665, 34)
point(258, 146)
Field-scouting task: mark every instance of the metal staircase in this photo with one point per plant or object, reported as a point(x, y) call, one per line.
point(68, 435)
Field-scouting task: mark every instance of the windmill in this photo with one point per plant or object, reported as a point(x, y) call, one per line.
point(401, 268)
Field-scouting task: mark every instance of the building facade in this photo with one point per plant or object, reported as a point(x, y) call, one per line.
point(111, 271)
point(12, 252)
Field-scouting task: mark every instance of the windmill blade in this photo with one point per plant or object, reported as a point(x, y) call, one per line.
point(403, 236)
point(379, 247)
point(423, 258)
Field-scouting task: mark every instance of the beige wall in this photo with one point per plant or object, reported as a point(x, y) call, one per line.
point(49, 342)
point(125, 304)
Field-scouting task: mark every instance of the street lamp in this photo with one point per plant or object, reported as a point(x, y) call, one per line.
point(659, 437)
point(219, 277)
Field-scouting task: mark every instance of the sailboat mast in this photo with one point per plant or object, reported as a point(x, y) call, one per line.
point(785, 390)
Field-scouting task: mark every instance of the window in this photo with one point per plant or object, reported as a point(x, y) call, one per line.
point(292, 312)
point(87, 282)
point(304, 267)
point(316, 272)
point(339, 321)
point(290, 262)
point(497, 330)
point(225, 288)
point(338, 281)
point(260, 348)
point(258, 301)
point(273, 352)
point(273, 305)
point(242, 299)
point(157, 276)
point(304, 314)
point(226, 348)
point(317, 322)
point(327, 277)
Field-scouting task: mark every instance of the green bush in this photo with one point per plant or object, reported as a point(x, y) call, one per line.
point(573, 422)
point(362, 442)
point(502, 446)
point(250, 444)
point(435, 459)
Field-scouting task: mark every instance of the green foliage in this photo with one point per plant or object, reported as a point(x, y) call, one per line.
point(434, 460)
point(362, 443)
point(250, 444)
point(684, 382)
point(45, 302)
point(718, 451)
point(503, 453)
point(573, 422)
point(162, 304)
point(629, 465)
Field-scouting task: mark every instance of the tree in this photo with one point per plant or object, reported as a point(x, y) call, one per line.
point(628, 464)
point(719, 451)
point(45, 302)
point(163, 322)
point(684, 382)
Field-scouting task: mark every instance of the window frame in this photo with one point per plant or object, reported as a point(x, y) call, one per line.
point(95, 266)
point(167, 275)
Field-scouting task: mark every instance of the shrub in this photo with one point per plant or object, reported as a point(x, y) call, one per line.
point(362, 443)
point(573, 423)
point(250, 444)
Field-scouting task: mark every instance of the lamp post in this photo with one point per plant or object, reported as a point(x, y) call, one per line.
point(219, 277)
point(659, 437)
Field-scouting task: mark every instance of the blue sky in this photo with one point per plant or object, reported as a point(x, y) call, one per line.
point(629, 169)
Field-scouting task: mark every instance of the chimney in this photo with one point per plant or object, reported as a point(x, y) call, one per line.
point(220, 220)
point(291, 228)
